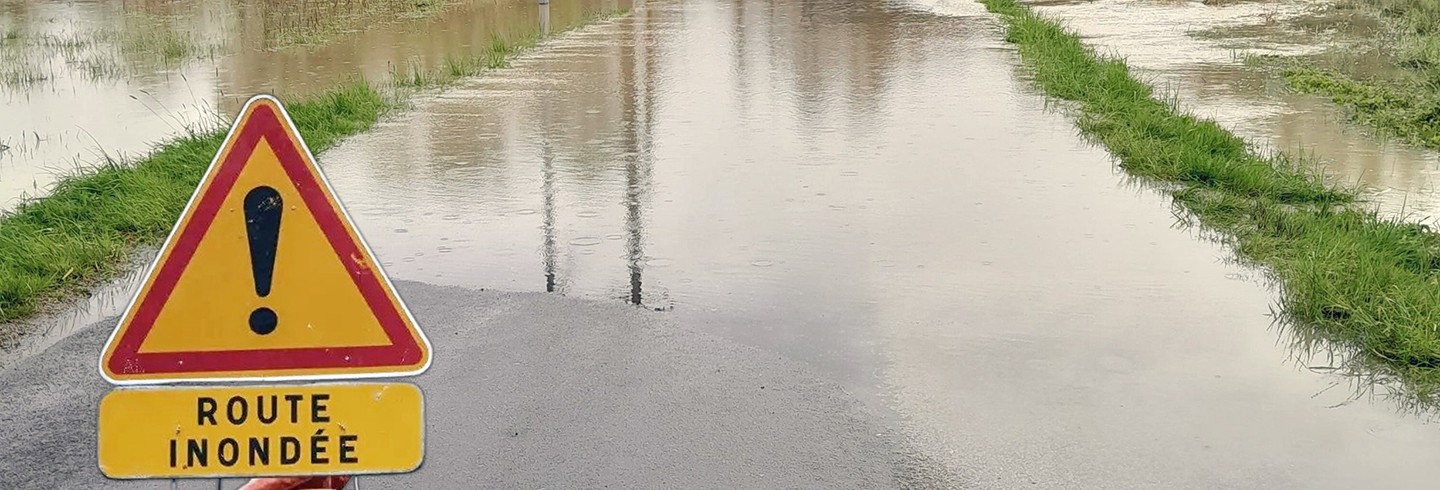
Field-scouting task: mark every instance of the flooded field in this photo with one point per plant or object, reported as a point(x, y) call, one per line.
point(1196, 50)
point(874, 189)
point(83, 83)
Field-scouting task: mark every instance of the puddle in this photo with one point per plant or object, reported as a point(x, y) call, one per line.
point(872, 189)
point(1197, 51)
point(81, 82)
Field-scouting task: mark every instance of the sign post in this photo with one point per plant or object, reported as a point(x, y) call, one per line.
point(264, 279)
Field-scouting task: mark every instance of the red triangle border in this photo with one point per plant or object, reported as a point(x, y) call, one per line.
point(264, 122)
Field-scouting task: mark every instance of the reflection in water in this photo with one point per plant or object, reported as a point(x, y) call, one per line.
point(869, 188)
point(102, 96)
point(1157, 38)
point(547, 191)
point(639, 159)
point(26, 161)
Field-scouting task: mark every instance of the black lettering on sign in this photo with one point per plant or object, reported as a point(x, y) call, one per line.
point(236, 416)
point(260, 409)
point(197, 453)
point(317, 407)
point(294, 407)
point(230, 452)
point(347, 448)
point(228, 457)
point(259, 451)
point(317, 447)
point(205, 410)
point(289, 450)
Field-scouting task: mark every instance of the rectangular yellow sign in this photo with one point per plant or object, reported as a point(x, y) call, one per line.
point(218, 431)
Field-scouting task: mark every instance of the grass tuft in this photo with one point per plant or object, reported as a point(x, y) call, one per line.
point(1368, 284)
point(497, 55)
point(21, 75)
point(163, 44)
point(102, 67)
point(324, 22)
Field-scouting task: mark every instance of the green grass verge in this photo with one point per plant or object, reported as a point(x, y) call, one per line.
point(1366, 284)
point(82, 234)
point(89, 224)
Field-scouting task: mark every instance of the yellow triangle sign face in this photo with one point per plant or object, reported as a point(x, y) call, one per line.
point(264, 276)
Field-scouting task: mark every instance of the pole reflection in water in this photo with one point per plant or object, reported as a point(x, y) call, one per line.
point(547, 191)
point(819, 179)
point(639, 161)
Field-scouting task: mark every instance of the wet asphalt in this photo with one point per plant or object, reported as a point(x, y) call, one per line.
point(531, 390)
point(884, 260)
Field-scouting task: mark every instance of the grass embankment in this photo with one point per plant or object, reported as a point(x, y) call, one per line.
point(1349, 276)
point(83, 232)
point(1406, 106)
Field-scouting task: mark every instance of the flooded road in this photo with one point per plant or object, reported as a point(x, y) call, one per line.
point(1196, 50)
point(85, 82)
point(873, 189)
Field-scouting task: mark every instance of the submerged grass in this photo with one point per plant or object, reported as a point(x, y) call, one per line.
point(100, 54)
point(19, 74)
point(496, 55)
point(316, 23)
point(1368, 284)
point(1415, 24)
point(1406, 105)
point(150, 38)
point(83, 232)
point(165, 45)
point(1403, 109)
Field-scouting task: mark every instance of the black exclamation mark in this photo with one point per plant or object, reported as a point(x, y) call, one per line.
point(262, 226)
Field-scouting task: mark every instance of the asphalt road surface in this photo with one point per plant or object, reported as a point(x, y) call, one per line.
point(532, 390)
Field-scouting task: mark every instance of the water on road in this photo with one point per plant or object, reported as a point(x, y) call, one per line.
point(872, 188)
point(1175, 45)
point(82, 83)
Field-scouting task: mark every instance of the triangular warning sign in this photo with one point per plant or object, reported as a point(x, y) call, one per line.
point(264, 277)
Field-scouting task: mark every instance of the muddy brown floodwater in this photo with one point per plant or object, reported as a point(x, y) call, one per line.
point(74, 117)
point(1170, 42)
point(81, 82)
point(874, 189)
